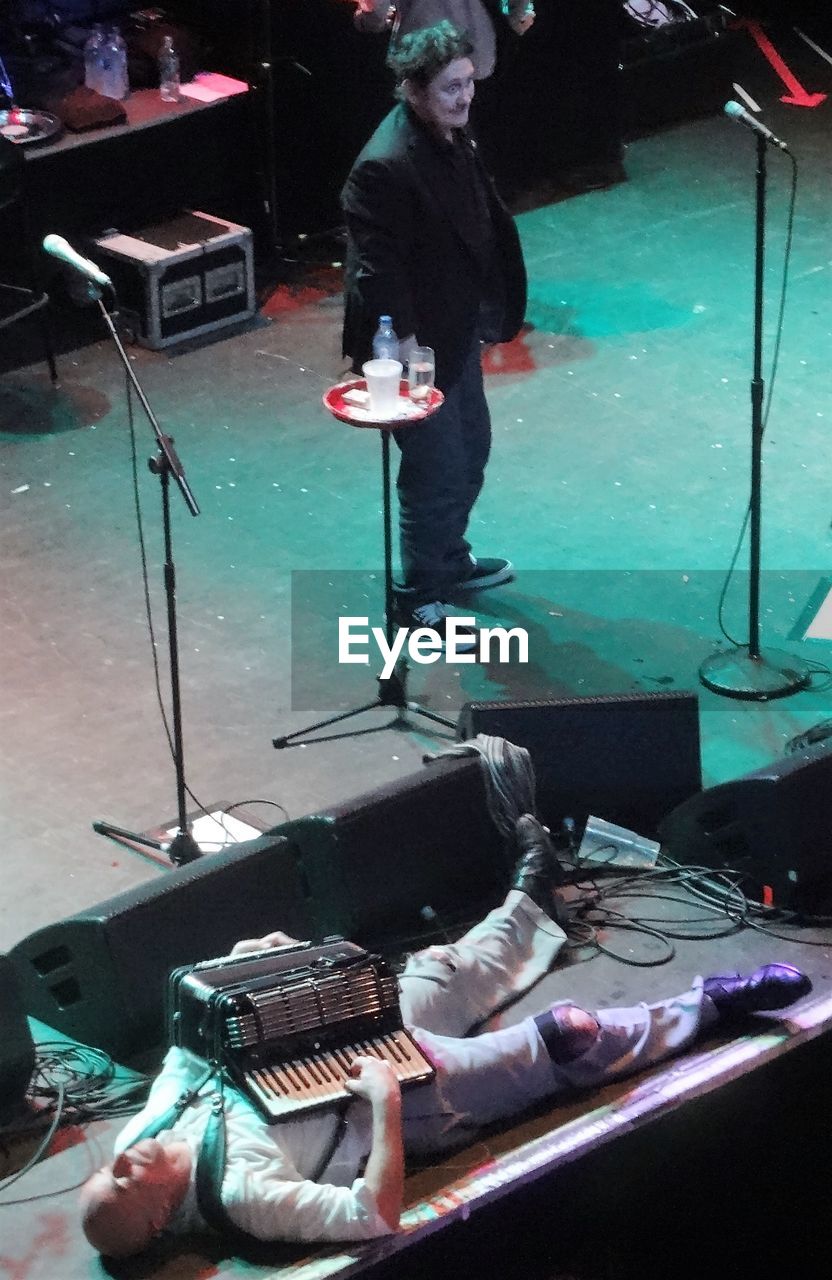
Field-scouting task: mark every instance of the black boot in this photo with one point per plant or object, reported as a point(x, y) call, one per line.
point(773, 986)
point(538, 872)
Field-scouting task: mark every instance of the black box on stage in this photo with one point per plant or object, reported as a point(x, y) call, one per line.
point(773, 827)
point(17, 1049)
point(627, 757)
point(181, 278)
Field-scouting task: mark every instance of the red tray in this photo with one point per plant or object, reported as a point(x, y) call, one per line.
point(359, 415)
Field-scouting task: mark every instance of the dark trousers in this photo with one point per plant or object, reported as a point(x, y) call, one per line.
point(440, 476)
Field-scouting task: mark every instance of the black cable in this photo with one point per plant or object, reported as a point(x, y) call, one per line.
point(42, 1148)
point(718, 892)
point(71, 1084)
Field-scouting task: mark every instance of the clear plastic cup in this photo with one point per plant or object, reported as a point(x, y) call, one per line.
point(383, 381)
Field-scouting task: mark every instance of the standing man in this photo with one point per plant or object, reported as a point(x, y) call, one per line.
point(430, 243)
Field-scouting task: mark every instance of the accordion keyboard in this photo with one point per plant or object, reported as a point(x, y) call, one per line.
point(317, 1079)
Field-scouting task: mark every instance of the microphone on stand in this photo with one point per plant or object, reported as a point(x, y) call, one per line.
point(59, 248)
point(739, 113)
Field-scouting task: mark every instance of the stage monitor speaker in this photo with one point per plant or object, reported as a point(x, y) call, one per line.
point(404, 861)
point(773, 826)
point(100, 976)
point(17, 1050)
point(628, 758)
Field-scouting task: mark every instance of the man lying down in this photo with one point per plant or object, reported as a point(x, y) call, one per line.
point(338, 1174)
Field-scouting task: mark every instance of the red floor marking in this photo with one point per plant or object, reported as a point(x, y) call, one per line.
point(72, 1136)
point(509, 357)
point(318, 282)
point(799, 97)
point(285, 299)
point(53, 1237)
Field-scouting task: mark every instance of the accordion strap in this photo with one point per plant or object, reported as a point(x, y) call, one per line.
point(169, 1118)
point(210, 1165)
point(210, 1171)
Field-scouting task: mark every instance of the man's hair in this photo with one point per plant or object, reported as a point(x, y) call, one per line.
point(421, 55)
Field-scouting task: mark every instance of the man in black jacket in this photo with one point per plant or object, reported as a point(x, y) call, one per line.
point(431, 244)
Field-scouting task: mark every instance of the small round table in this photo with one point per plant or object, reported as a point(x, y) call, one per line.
point(349, 403)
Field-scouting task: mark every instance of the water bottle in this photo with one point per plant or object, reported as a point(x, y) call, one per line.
point(92, 58)
point(114, 81)
point(168, 71)
point(385, 342)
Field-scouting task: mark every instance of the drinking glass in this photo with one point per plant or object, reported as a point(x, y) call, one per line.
point(421, 370)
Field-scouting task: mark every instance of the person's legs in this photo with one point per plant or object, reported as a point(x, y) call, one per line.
point(476, 429)
point(440, 476)
point(449, 989)
point(499, 1074)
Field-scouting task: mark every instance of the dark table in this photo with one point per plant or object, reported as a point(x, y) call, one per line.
point(166, 157)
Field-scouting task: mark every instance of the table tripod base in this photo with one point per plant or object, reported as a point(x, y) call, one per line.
point(392, 692)
point(771, 674)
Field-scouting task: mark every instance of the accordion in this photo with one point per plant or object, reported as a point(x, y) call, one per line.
point(286, 1024)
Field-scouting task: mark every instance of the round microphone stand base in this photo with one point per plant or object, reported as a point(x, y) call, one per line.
point(759, 678)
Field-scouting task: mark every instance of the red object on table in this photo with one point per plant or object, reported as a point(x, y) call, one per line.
point(358, 415)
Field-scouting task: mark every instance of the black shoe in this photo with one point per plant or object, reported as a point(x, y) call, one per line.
point(484, 575)
point(774, 986)
point(538, 872)
point(435, 617)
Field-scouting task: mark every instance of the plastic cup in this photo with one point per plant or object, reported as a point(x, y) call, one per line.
point(383, 381)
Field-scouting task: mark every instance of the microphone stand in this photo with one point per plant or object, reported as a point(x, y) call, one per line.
point(165, 463)
point(747, 671)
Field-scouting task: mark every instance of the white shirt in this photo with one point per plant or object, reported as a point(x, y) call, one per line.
point(267, 1190)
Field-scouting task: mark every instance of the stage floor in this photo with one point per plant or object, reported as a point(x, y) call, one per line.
point(617, 485)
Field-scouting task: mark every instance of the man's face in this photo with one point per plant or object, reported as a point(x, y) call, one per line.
point(128, 1202)
point(445, 100)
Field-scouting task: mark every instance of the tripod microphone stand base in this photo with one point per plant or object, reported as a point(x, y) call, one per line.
point(769, 674)
point(181, 848)
point(392, 692)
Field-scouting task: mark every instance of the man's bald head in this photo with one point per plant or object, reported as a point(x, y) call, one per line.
point(125, 1205)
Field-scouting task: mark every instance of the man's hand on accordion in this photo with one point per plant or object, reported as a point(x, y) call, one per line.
point(275, 939)
point(373, 1079)
point(376, 1081)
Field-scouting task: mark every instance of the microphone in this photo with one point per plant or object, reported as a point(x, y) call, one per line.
point(736, 112)
point(59, 248)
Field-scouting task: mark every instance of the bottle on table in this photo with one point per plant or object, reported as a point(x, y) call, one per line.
point(385, 342)
point(92, 58)
point(168, 71)
point(114, 78)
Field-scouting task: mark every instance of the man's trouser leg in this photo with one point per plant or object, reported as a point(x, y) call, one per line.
point(451, 988)
point(440, 477)
point(499, 1074)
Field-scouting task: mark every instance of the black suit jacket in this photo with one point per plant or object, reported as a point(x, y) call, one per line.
point(407, 255)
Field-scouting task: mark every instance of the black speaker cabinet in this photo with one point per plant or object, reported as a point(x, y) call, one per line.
point(628, 758)
point(17, 1050)
point(100, 976)
point(774, 826)
point(404, 860)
